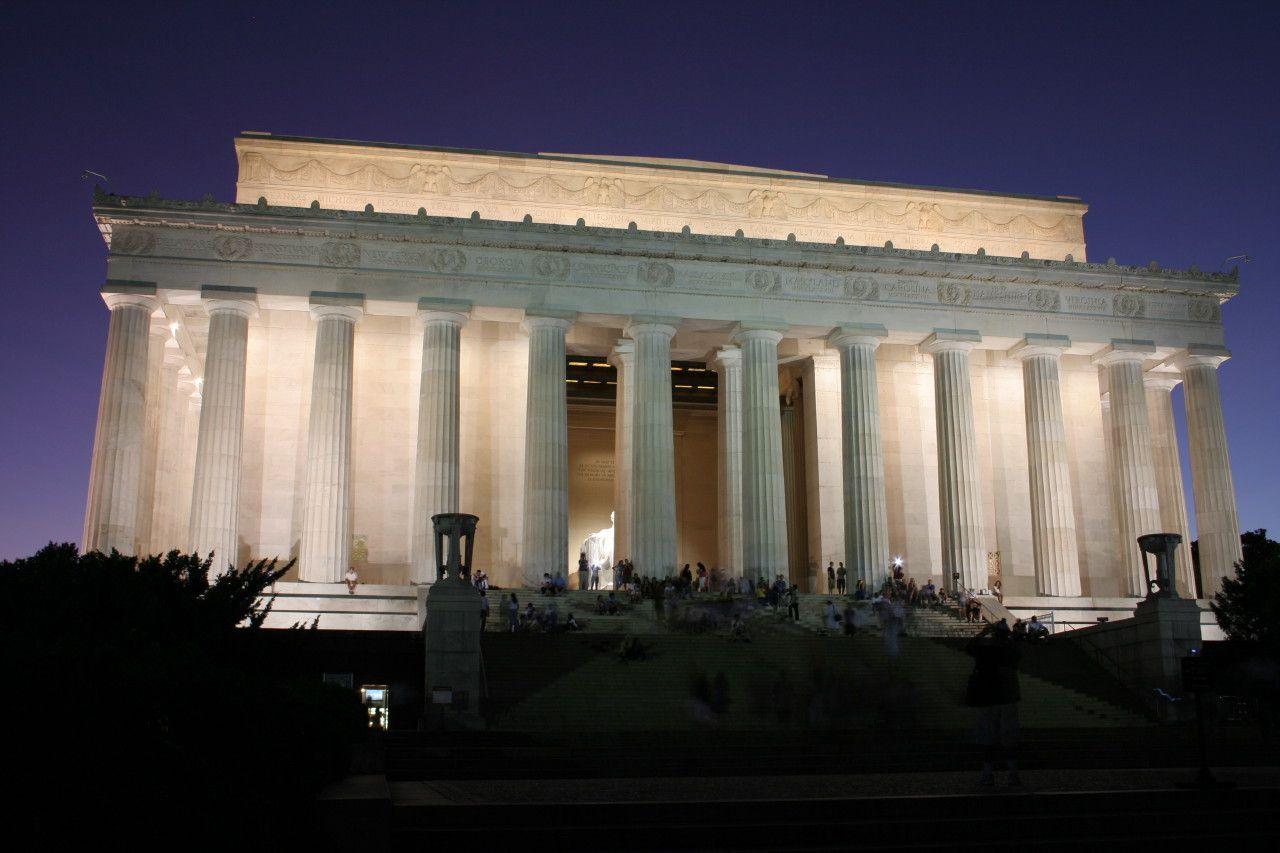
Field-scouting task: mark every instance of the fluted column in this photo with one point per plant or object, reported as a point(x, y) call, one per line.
point(727, 362)
point(1168, 467)
point(436, 470)
point(152, 422)
point(653, 525)
point(764, 509)
point(866, 532)
point(794, 495)
point(1217, 522)
point(823, 466)
point(1133, 472)
point(168, 500)
point(963, 553)
point(623, 359)
point(111, 512)
point(215, 494)
point(325, 549)
point(192, 402)
point(1053, 522)
point(546, 449)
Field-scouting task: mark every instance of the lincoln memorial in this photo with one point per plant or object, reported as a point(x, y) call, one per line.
point(762, 370)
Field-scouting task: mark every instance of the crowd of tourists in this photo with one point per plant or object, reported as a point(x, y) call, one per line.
point(701, 599)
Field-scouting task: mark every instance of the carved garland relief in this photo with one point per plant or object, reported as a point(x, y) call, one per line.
point(674, 197)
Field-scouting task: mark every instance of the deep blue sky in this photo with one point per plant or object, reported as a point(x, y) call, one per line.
point(1162, 116)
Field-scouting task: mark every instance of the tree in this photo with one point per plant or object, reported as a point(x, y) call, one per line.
point(1248, 606)
point(145, 694)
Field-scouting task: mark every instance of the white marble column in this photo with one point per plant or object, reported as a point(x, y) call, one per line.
point(1053, 522)
point(623, 359)
point(215, 493)
point(1133, 472)
point(192, 402)
point(727, 362)
point(1168, 466)
point(546, 449)
point(764, 509)
point(823, 466)
point(794, 493)
point(1217, 523)
point(653, 524)
point(325, 550)
point(436, 470)
point(866, 532)
point(168, 500)
point(111, 512)
point(152, 422)
point(959, 498)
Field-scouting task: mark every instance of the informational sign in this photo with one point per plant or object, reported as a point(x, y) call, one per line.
point(1197, 677)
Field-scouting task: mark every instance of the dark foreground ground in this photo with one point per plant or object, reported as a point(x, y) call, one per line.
point(945, 810)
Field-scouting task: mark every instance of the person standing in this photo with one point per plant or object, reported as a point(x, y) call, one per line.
point(831, 578)
point(595, 577)
point(513, 614)
point(793, 603)
point(994, 692)
point(484, 610)
point(841, 580)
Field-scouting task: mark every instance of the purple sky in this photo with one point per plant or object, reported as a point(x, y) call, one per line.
point(1162, 117)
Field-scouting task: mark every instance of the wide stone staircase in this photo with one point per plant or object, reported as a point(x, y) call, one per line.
point(777, 678)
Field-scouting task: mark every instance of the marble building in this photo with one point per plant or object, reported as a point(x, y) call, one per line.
point(759, 369)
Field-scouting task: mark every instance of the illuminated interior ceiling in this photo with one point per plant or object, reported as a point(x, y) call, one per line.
point(591, 379)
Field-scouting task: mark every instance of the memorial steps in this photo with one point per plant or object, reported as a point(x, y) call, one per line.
point(584, 686)
point(922, 689)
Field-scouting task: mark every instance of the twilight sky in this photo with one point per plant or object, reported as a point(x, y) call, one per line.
point(1162, 116)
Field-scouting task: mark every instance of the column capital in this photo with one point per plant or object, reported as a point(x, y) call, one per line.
point(623, 352)
point(652, 323)
point(548, 318)
point(233, 300)
point(1032, 345)
point(1201, 355)
point(950, 340)
point(1163, 378)
point(857, 334)
point(349, 306)
point(455, 311)
point(121, 298)
point(724, 357)
point(1123, 349)
point(758, 330)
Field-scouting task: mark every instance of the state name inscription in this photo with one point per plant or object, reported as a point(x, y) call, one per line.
point(595, 471)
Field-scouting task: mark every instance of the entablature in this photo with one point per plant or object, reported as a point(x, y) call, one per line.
point(396, 258)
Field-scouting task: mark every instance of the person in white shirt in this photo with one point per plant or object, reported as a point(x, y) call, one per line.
point(352, 579)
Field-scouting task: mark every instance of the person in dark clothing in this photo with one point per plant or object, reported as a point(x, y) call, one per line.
point(793, 603)
point(993, 691)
